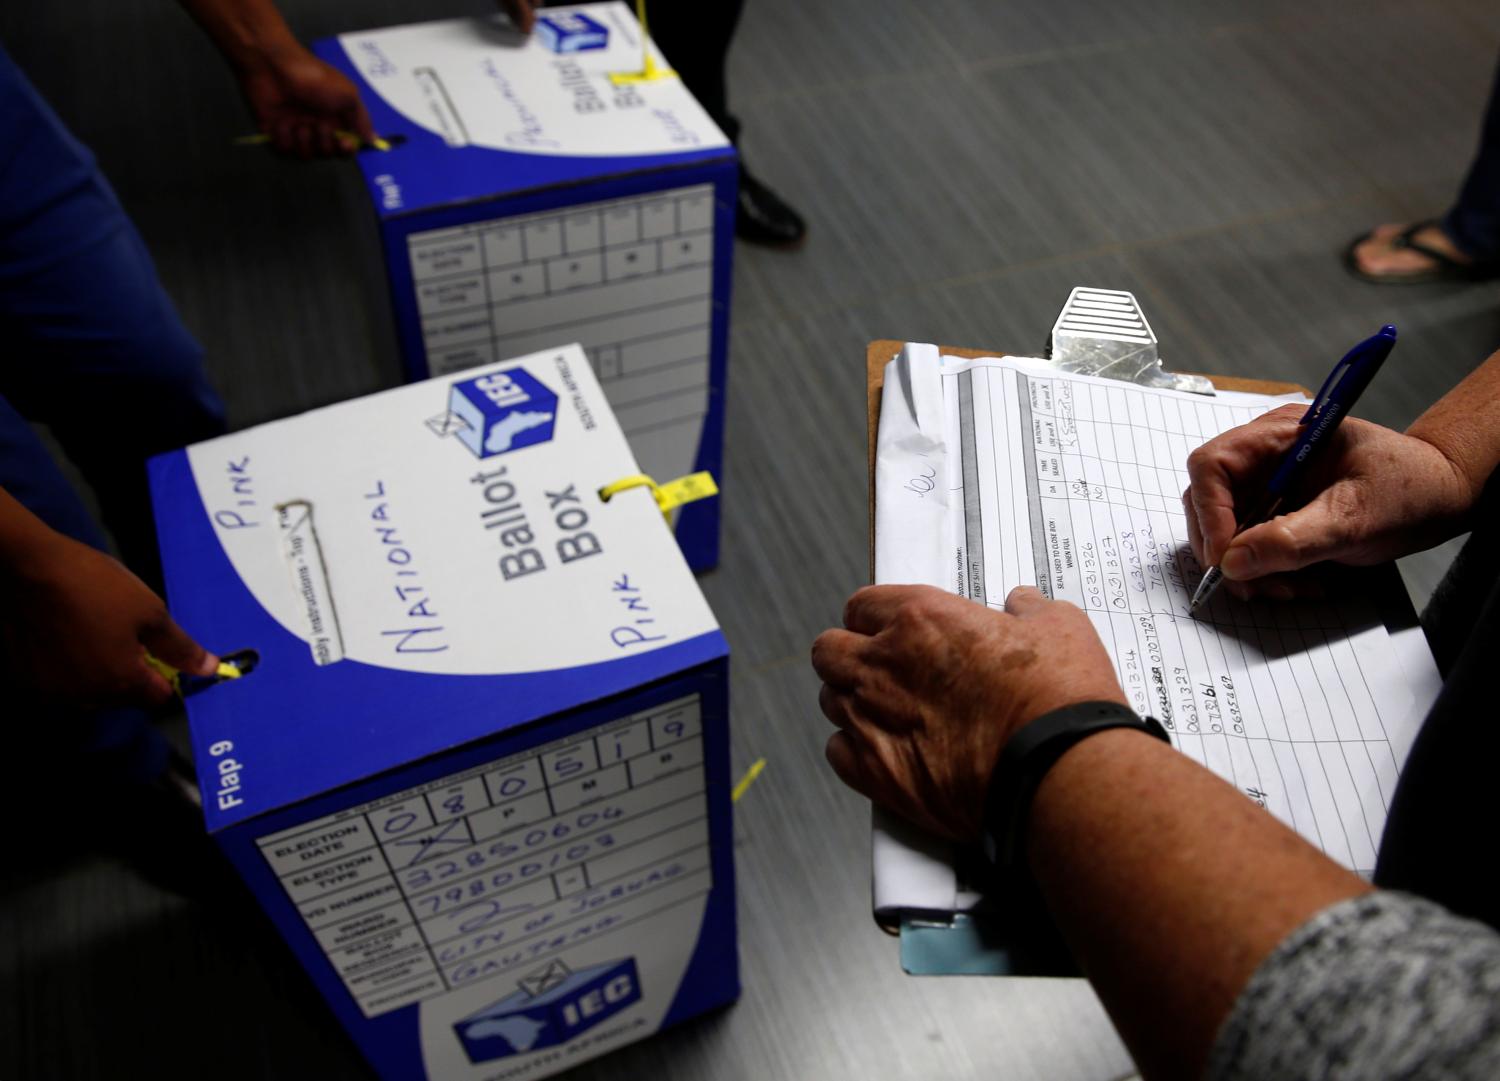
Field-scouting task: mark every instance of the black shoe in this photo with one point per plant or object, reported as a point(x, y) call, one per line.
point(764, 219)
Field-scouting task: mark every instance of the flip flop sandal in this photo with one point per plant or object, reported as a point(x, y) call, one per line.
point(1445, 268)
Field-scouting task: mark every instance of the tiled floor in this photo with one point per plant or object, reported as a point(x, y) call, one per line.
point(963, 165)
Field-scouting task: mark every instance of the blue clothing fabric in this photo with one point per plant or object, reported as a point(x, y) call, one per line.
point(1474, 221)
point(93, 346)
point(93, 349)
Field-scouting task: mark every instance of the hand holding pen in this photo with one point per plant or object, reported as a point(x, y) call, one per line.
point(1363, 495)
point(1334, 400)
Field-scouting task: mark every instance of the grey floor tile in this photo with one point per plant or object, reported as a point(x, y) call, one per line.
point(1034, 29)
point(794, 494)
point(920, 186)
point(1274, 300)
point(783, 46)
point(1184, 135)
point(1480, 15)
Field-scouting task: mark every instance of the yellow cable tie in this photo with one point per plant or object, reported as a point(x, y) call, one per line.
point(650, 71)
point(635, 480)
point(668, 496)
point(688, 489)
point(261, 139)
point(166, 671)
point(747, 780)
point(173, 676)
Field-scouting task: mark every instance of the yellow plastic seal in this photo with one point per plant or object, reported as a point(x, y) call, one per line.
point(650, 71)
point(688, 489)
point(668, 496)
point(347, 137)
point(747, 780)
point(174, 677)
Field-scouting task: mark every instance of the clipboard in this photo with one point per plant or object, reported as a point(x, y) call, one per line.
point(970, 943)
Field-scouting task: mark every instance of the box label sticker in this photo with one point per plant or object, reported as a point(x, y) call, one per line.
point(304, 561)
point(571, 32)
point(497, 870)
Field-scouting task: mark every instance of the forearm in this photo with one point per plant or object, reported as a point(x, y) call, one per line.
point(245, 31)
point(1170, 888)
point(1464, 425)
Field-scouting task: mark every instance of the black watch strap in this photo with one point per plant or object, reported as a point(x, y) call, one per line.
point(1027, 757)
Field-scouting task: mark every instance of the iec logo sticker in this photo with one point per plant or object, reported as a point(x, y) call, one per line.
point(498, 412)
point(570, 32)
point(553, 1005)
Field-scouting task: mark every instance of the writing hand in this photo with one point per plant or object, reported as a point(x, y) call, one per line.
point(75, 626)
point(303, 103)
point(521, 12)
point(1373, 494)
point(926, 687)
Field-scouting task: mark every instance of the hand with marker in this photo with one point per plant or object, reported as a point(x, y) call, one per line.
point(1372, 495)
point(75, 625)
point(521, 12)
point(306, 108)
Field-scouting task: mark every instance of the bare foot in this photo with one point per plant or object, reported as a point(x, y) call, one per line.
point(1381, 256)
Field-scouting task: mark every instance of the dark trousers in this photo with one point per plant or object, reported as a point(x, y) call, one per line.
point(93, 349)
point(1474, 222)
point(1445, 804)
point(695, 38)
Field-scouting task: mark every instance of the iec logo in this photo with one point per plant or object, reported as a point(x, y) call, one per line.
point(501, 411)
point(552, 1006)
point(570, 32)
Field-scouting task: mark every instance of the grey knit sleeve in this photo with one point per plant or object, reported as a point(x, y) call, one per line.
point(1383, 986)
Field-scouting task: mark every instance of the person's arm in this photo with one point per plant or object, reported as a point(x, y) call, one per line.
point(300, 102)
point(75, 625)
point(1373, 494)
point(1169, 886)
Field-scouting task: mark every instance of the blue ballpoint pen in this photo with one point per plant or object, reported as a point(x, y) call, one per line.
point(1339, 392)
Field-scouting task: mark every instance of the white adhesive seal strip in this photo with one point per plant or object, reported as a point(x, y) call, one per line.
point(304, 559)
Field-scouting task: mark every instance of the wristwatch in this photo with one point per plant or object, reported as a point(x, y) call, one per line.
point(1026, 758)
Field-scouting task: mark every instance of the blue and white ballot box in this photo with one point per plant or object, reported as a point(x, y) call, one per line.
point(530, 199)
point(478, 777)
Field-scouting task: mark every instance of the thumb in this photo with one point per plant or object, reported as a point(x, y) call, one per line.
point(359, 123)
point(522, 13)
point(1286, 543)
point(170, 643)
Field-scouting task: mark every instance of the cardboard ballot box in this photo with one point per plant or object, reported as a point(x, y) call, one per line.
point(529, 200)
point(478, 776)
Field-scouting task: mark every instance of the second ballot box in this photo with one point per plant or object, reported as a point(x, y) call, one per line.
point(538, 190)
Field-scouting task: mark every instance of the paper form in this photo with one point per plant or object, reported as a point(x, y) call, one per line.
point(998, 473)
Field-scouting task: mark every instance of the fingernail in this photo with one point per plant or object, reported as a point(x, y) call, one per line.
point(1240, 562)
